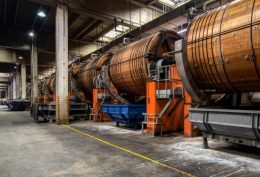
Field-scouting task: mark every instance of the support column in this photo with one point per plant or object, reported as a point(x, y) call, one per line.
point(62, 105)
point(9, 91)
point(6, 92)
point(34, 71)
point(23, 80)
point(18, 85)
point(14, 88)
point(188, 128)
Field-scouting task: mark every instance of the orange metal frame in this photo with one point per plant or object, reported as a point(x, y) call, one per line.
point(176, 117)
point(97, 106)
point(45, 98)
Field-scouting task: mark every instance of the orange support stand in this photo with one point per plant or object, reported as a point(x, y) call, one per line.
point(171, 120)
point(188, 128)
point(71, 94)
point(97, 114)
point(176, 116)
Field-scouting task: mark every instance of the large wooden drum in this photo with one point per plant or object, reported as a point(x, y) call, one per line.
point(88, 72)
point(223, 48)
point(129, 65)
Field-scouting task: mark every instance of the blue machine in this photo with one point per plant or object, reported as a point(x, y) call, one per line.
point(129, 114)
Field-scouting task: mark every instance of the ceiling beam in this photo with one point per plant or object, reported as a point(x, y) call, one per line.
point(110, 27)
point(7, 46)
point(148, 6)
point(83, 28)
point(85, 11)
point(181, 10)
point(6, 42)
point(72, 18)
point(89, 13)
point(2, 85)
point(4, 80)
point(94, 25)
point(150, 2)
point(5, 75)
point(77, 7)
point(86, 28)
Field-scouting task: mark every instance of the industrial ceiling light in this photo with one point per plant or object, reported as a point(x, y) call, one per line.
point(20, 57)
point(31, 34)
point(182, 31)
point(173, 3)
point(41, 14)
point(168, 3)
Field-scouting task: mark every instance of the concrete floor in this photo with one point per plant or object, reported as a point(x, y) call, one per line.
point(29, 149)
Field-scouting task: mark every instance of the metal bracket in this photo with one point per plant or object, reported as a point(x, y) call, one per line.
point(150, 56)
point(107, 84)
point(185, 74)
point(153, 124)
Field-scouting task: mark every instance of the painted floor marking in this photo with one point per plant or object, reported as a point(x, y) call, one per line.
point(130, 152)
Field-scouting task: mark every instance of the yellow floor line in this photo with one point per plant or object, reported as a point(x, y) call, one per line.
point(129, 151)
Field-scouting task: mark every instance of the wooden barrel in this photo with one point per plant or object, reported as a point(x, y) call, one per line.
point(88, 72)
point(223, 48)
point(48, 87)
point(129, 65)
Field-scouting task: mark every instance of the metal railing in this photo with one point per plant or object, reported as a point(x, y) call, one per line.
point(165, 83)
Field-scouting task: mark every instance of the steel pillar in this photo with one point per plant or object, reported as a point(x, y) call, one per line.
point(10, 89)
point(23, 80)
point(6, 92)
point(62, 104)
point(9, 94)
point(14, 88)
point(18, 84)
point(34, 71)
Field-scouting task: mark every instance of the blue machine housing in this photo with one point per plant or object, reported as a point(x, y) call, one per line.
point(129, 114)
